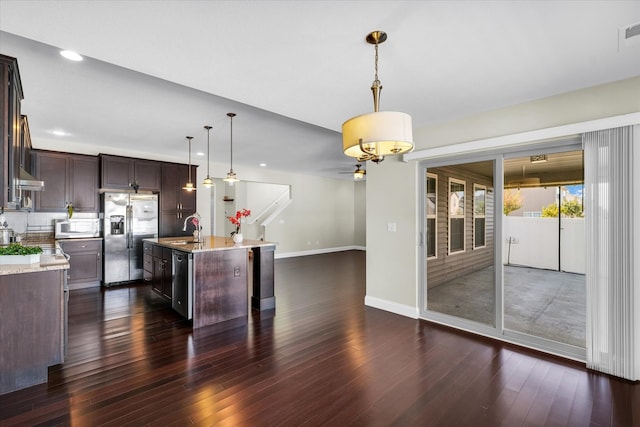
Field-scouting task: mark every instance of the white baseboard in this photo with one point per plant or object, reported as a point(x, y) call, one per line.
point(393, 307)
point(317, 251)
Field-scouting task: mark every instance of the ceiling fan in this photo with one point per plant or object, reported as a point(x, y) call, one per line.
point(358, 173)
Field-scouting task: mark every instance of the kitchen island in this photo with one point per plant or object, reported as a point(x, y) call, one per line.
point(33, 324)
point(210, 278)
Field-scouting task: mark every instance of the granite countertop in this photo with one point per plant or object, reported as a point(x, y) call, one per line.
point(208, 243)
point(79, 239)
point(52, 258)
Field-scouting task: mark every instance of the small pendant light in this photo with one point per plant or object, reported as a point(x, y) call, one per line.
point(208, 182)
point(231, 176)
point(189, 185)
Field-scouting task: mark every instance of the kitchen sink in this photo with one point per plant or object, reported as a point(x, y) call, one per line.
point(179, 242)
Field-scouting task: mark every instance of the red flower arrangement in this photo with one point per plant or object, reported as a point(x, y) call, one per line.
point(196, 223)
point(235, 220)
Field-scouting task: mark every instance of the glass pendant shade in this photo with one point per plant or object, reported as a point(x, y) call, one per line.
point(231, 177)
point(359, 173)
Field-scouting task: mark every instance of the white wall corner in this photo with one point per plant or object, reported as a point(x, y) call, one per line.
point(393, 307)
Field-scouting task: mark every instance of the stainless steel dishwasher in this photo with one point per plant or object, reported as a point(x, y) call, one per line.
point(182, 283)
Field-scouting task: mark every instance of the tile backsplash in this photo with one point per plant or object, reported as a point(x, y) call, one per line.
point(24, 222)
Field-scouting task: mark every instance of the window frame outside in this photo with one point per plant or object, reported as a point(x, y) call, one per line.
point(462, 216)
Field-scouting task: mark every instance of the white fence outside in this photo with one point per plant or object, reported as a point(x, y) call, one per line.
point(534, 243)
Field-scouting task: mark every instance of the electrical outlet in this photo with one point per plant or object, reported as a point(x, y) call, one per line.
point(236, 271)
point(391, 227)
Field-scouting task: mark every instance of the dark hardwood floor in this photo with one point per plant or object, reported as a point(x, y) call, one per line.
point(322, 358)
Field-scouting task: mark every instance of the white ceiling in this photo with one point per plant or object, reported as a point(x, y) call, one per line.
point(157, 71)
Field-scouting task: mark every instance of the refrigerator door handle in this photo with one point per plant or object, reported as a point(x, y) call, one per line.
point(129, 226)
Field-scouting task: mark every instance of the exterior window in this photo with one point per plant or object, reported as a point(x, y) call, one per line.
point(432, 211)
point(456, 215)
point(479, 210)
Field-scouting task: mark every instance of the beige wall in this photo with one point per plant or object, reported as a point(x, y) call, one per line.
point(360, 214)
point(391, 256)
point(392, 187)
point(319, 219)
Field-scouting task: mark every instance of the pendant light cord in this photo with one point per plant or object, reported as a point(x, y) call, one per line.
point(189, 138)
point(231, 142)
point(208, 128)
point(376, 64)
point(231, 116)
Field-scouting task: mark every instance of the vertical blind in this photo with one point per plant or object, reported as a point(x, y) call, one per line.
point(609, 180)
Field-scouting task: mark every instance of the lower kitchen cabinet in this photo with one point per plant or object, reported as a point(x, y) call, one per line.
point(85, 261)
point(161, 269)
point(147, 261)
point(32, 328)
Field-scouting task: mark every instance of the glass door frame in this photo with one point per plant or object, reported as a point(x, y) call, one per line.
point(457, 322)
point(570, 143)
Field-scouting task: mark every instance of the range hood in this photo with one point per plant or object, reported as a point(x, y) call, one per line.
point(27, 182)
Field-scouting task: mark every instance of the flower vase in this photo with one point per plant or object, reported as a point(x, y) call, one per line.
point(238, 237)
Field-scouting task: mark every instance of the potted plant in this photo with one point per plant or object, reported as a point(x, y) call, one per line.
point(15, 253)
point(237, 222)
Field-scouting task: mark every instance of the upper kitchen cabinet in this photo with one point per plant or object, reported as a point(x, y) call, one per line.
point(125, 173)
point(11, 96)
point(24, 148)
point(69, 178)
point(175, 203)
point(22, 163)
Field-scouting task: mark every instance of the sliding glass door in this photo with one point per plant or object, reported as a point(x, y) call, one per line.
point(503, 247)
point(460, 251)
point(544, 257)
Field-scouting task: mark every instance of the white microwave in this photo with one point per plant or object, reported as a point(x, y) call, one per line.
point(77, 228)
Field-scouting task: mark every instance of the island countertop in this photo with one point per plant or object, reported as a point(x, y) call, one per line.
point(207, 243)
point(212, 286)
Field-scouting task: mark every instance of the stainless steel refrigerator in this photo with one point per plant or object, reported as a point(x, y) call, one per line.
point(128, 219)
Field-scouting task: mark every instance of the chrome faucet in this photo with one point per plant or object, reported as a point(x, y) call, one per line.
point(198, 227)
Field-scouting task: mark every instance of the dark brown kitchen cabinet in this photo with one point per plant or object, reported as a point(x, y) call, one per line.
point(32, 328)
point(126, 173)
point(175, 203)
point(25, 144)
point(22, 161)
point(68, 178)
point(85, 262)
point(11, 96)
point(147, 263)
point(162, 271)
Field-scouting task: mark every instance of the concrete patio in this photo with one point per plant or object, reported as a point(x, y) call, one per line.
point(544, 303)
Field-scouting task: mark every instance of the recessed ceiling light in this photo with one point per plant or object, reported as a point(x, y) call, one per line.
point(71, 55)
point(263, 165)
point(59, 132)
point(199, 153)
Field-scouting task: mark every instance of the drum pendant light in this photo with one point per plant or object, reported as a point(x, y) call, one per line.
point(373, 136)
